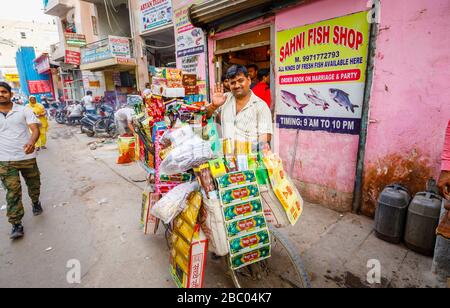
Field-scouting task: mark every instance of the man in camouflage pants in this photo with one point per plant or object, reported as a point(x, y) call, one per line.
point(18, 156)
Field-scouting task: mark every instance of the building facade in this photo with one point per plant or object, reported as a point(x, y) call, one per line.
point(17, 34)
point(358, 133)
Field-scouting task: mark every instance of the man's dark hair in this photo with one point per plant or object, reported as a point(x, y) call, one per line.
point(254, 66)
point(224, 77)
point(6, 86)
point(236, 70)
point(89, 93)
point(264, 72)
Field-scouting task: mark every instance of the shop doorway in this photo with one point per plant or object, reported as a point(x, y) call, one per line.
point(252, 47)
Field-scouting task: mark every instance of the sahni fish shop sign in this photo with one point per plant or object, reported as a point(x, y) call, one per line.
point(322, 74)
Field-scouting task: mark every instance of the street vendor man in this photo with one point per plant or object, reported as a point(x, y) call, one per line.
point(240, 113)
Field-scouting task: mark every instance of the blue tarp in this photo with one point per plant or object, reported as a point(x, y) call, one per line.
point(25, 66)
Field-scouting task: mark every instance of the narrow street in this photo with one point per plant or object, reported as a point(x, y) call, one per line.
point(91, 215)
point(92, 211)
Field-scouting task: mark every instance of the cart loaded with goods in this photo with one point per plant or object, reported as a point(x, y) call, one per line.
point(211, 194)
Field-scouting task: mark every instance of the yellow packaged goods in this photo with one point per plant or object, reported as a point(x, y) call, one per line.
point(180, 245)
point(190, 272)
point(179, 261)
point(173, 74)
point(190, 213)
point(243, 147)
point(184, 229)
point(217, 167)
point(283, 187)
point(126, 150)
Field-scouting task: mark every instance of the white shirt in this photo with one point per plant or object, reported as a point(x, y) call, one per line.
point(15, 133)
point(124, 114)
point(254, 120)
point(75, 111)
point(88, 102)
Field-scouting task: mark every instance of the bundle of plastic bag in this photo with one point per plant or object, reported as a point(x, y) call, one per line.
point(174, 202)
point(177, 137)
point(189, 151)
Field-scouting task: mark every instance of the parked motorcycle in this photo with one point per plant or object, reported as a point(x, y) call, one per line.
point(99, 124)
point(61, 115)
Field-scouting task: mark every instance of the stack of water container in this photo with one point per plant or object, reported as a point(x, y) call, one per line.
point(398, 218)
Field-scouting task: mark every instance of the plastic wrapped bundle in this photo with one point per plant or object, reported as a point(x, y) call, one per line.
point(184, 157)
point(174, 202)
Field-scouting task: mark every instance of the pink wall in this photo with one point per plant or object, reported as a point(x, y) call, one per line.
point(410, 103)
point(409, 106)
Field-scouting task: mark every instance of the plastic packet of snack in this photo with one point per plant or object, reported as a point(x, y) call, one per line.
point(190, 213)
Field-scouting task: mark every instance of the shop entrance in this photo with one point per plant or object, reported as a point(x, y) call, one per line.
point(253, 47)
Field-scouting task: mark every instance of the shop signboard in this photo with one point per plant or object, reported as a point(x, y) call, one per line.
point(72, 57)
point(321, 75)
point(74, 39)
point(42, 64)
point(155, 13)
point(189, 40)
point(12, 77)
point(39, 86)
point(96, 52)
point(94, 84)
point(120, 46)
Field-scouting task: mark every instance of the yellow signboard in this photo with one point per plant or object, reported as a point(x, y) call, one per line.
point(12, 77)
point(322, 73)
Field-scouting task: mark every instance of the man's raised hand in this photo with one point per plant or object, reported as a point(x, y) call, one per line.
point(219, 97)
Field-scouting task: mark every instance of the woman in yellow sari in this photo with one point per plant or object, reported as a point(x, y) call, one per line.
point(41, 114)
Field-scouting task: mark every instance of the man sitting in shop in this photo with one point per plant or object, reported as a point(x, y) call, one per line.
point(262, 89)
point(253, 73)
point(241, 114)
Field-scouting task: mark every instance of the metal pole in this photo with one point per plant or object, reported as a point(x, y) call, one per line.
point(357, 192)
point(207, 66)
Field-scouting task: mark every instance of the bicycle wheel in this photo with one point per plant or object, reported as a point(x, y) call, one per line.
point(284, 269)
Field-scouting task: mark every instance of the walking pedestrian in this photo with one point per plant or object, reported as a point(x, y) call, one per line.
point(41, 114)
point(18, 156)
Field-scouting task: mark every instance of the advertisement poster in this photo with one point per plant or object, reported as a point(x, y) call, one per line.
point(190, 64)
point(42, 64)
point(75, 40)
point(155, 13)
point(189, 40)
point(322, 73)
point(120, 46)
point(39, 86)
point(72, 57)
point(96, 52)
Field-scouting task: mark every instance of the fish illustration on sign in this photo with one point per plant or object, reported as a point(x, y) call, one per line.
point(316, 99)
point(342, 99)
point(290, 99)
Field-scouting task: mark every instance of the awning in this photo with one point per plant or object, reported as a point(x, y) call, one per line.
point(224, 14)
point(119, 64)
